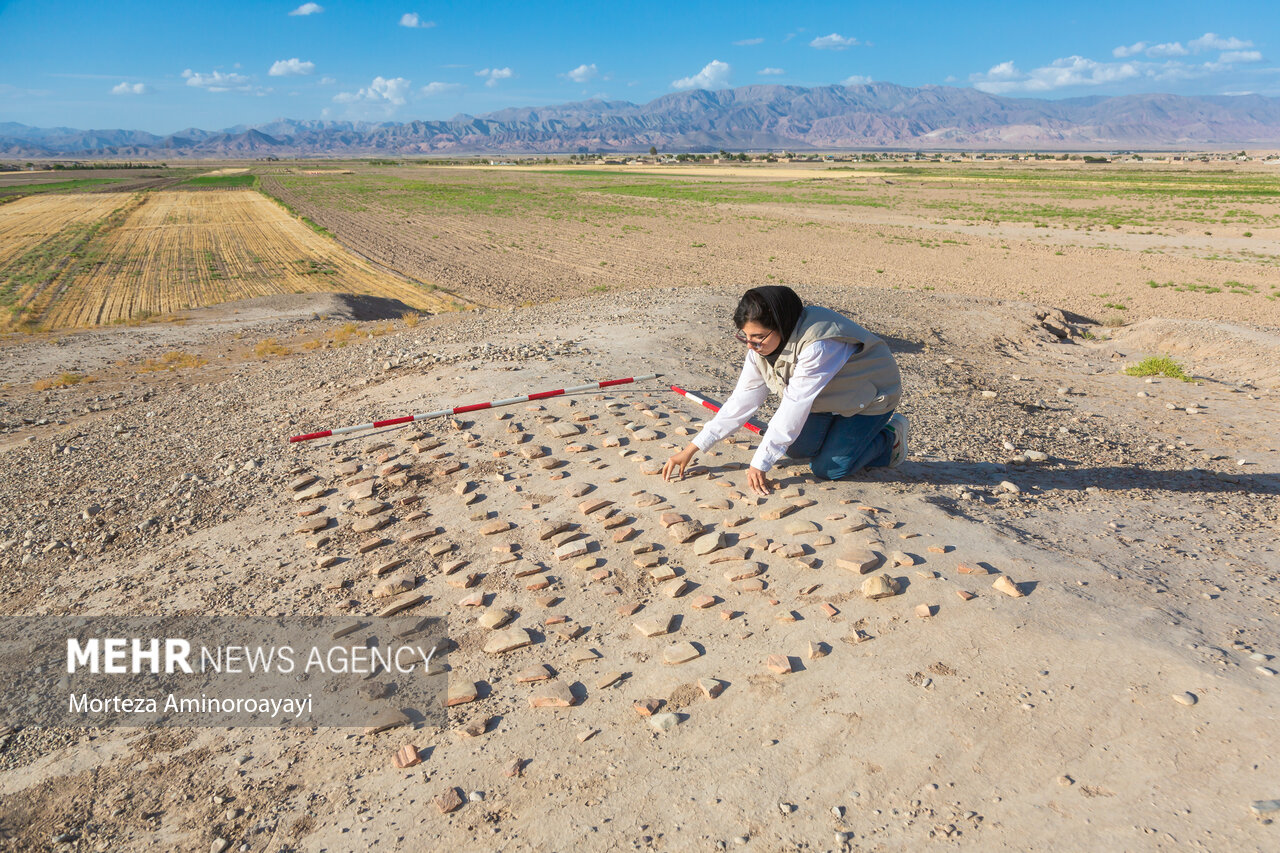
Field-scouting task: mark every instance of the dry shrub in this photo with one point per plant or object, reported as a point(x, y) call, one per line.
point(66, 380)
point(172, 360)
point(410, 319)
point(270, 347)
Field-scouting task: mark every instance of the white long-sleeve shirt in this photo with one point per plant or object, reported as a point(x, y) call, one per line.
point(815, 367)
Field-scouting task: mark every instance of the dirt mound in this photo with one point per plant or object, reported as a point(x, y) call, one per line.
point(1222, 351)
point(340, 306)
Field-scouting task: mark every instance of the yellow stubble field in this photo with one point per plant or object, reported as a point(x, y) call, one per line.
point(80, 260)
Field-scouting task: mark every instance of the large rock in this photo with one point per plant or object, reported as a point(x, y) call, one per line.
point(879, 586)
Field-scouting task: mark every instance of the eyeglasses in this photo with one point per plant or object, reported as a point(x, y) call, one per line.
point(755, 342)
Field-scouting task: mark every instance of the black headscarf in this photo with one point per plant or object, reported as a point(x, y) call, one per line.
point(773, 306)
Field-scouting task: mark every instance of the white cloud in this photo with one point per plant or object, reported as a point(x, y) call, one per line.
point(1124, 51)
point(1231, 56)
point(411, 20)
point(835, 41)
point(308, 9)
point(771, 72)
point(327, 81)
point(1059, 74)
point(435, 88)
point(1213, 41)
point(216, 81)
point(381, 92)
point(130, 89)
point(494, 75)
point(291, 67)
point(748, 42)
point(714, 75)
point(1162, 51)
point(582, 73)
point(855, 80)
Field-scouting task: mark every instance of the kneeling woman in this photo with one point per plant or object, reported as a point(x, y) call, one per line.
point(838, 382)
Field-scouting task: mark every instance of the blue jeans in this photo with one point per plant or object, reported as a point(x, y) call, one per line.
point(837, 446)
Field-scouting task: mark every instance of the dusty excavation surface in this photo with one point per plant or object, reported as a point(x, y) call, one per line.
point(1079, 654)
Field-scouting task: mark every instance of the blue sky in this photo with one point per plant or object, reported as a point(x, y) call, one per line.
point(162, 67)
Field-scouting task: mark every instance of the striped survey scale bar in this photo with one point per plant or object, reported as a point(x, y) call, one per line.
point(713, 406)
point(473, 407)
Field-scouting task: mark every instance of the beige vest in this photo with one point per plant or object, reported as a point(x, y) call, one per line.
point(869, 382)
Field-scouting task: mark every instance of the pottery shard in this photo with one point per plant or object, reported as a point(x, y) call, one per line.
point(702, 602)
point(312, 525)
point(647, 707)
point(384, 720)
point(647, 500)
point(937, 549)
point(730, 555)
point(710, 687)
point(406, 757)
point(708, 542)
point(644, 434)
point(496, 526)
point(680, 653)
point(302, 482)
point(461, 693)
point(744, 571)
point(781, 664)
point(670, 519)
point(449, 801)
point(389, 566)
point(653, 627)
point(662, 573)
point(800, 528)
point(556, 695)
point(780, 512)
point(312, 493)
point(368, 525)
point(924, 611)
point(624, 534)
point(541, 672)
point(370, 507)
point(719, 504)
point(531, 452)
point(685, 531)
point(1006, 585)
point(965, 595)
point(578, 490)
point(737, 522)
point(860, 560)
point(595, 504)
point(495, 617)
point(559, 429)
point(879, 586)
point(421, 533)
point(569, 550)
point(508, 640)
point(609, 679)
point(675, 588)
point(392, 587)
point(901, 558)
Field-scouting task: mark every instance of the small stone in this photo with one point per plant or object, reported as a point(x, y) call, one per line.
point(879, 586)
point(901, 558)
point(711, 687)
point(817, 650)
point(781, 664)
point(937, 549)
point(924, 611)
point(1185, 698)
point(647, 707)
point(1261, 808)
point(392, 587)
point(663, 722)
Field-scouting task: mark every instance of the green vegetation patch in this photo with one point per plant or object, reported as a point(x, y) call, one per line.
point(1158, 365)
point(222, 182)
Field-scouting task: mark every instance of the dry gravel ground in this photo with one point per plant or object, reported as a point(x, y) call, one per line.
point(1143, 545)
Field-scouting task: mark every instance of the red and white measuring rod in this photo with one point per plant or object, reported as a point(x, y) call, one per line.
point(474, 407)
point(715, 407)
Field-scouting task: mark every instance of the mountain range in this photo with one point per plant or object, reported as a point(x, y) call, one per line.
point(872, 115)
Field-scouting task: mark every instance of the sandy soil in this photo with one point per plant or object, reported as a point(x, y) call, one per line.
point(1143, 546)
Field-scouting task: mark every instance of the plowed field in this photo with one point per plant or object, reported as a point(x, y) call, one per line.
point(84, 260)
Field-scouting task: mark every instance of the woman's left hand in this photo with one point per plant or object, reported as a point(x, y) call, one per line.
point(757, 481)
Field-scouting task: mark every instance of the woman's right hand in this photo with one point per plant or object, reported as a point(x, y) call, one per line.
point(678, 462)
